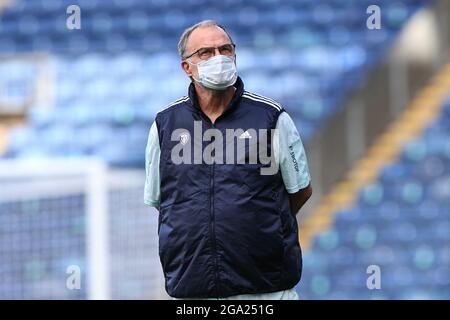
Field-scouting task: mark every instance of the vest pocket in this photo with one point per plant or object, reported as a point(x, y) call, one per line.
point(186, 198)
point(267, 253)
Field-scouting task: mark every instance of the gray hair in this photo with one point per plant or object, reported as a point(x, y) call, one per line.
point(185, 36)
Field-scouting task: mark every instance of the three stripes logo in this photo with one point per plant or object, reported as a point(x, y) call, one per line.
point(245, 135)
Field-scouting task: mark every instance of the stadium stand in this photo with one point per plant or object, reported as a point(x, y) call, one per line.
point(310, 65)
point(95, 91)
point(392, 211)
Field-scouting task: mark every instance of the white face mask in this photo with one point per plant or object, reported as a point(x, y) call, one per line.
point(216, 73)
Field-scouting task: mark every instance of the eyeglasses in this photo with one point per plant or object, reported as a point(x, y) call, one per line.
point(208, 52)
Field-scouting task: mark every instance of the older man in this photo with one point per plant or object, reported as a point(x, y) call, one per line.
point(227, 228)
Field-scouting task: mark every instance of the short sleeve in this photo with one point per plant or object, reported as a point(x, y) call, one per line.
point(152, 179)
point(291, 155)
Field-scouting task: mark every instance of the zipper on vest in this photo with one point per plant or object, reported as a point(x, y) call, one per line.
point(212, 218)
point(211, 211)
point(213, 227)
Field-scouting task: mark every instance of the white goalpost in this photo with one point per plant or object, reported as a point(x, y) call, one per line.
point(57, 213)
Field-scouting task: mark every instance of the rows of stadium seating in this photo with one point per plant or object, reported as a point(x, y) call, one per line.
point(400, 223)
point(121, 67)
point(138, 21)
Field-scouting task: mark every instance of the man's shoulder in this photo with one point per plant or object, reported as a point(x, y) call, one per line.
point(262, 101)
point(173, 105)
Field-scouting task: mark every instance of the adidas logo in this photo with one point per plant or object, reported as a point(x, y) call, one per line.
point(245, 135)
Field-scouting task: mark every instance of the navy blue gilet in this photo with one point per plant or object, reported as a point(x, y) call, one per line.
point(224, 229)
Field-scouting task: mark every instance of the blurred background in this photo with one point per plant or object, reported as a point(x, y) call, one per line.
point(372, 107)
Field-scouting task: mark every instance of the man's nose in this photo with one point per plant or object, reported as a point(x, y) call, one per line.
point(216, 50)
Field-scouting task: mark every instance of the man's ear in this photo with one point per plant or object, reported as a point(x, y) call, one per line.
point(186, 67)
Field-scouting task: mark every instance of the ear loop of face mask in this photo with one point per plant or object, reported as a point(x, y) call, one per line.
point(193, 64)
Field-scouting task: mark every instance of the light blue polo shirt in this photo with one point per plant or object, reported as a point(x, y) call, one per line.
point(289, 152)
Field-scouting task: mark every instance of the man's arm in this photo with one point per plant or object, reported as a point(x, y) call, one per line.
point(293, 162)
point(152, 179)
point(299, 198)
